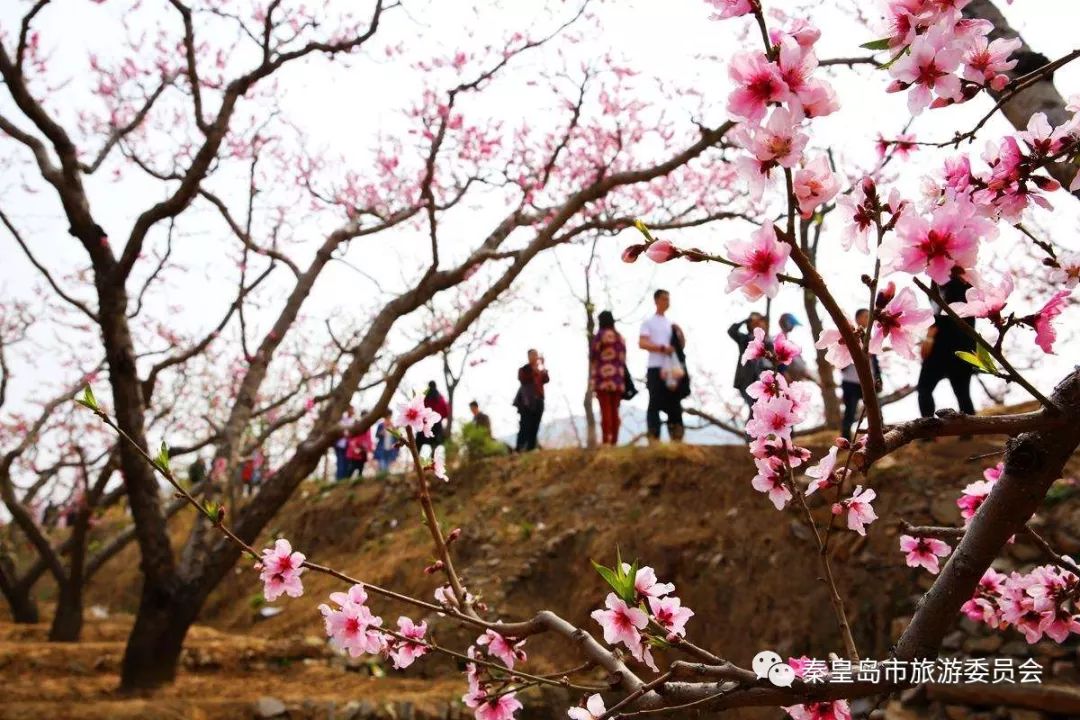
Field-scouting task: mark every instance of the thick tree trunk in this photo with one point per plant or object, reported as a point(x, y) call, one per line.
point(826, 381)
point(153, 650)
point(18, 596)
point(68, 620)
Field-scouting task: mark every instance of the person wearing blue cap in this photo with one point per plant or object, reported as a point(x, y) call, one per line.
point(797, 368)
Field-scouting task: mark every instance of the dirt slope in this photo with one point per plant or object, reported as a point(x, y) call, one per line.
point(531, 524)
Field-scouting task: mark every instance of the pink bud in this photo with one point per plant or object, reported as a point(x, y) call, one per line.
point(837, 508)
point(661, 251)
point(631, 253)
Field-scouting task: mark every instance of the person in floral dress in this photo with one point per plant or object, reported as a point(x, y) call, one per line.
point(607, 365)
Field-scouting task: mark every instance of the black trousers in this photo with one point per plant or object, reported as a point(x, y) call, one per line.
point(528, 428)
point(661, 400)
point(956, 371)
point(851, 392)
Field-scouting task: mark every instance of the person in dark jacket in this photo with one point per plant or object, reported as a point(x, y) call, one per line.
point(480, 419)
point(944, 338)
point(529, 401)
point(746, 373)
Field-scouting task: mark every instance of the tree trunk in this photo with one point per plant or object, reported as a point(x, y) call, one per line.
point(153, 649)
point(590, 414)
point(68, 620)
point(826, 381)
point(18, 597)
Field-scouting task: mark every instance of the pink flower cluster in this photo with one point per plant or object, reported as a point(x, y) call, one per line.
point(353, 628)
point(627, 624)
point(942, 57)
point(280, 569)
point(778, 407)
point(417, 416)
point(1041, 602)
point(977, 492)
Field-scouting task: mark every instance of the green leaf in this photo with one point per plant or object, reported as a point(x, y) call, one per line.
point(609, 576)
point(88, 399)
point(882, 44)
point(986, 359)
point(982, 361)
point(162, 459)
point(643, 230)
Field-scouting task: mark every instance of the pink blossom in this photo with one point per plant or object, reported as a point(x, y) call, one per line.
point(826, 710)
point(670, 613)
point(646, 584)
point(778, 450)
point(823, 471)
point(772, 416)
point(928, 68)
point(982, 607)
point(1067, 272)
point(438, 463)
point(985, 299)
point(986, 62)
point(858, 209)
point(501, 707)
point(923, 552)
point(414, 414)
point(814, 185)
point(835, 347)
point(280, 571)
point(1045, 334)
point(758, 83)
point(768, 384)
point(621, 623)
point(859, 511)
point(661, 251)
point(785, 350)
point(728, 9)
point(631, 253)
point(756, 347)
point(903, 323)
point(770, 480)
point(973, 497)
point(404, 652)
point(949, 239)
point(778, 141)
point(351, 626)
point(500, 647)
point(594, 706)
point(760, 260)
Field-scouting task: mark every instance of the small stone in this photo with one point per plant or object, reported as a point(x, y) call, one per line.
point(269, 707)
point(957, 712)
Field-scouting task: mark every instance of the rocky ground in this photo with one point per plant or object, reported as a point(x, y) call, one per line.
point(531, 524)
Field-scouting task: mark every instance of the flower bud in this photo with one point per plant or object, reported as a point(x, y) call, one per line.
point(630, 254)
point(661, 251)
point(434, 567)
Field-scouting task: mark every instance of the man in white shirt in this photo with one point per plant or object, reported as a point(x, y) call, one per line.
point(656, 337)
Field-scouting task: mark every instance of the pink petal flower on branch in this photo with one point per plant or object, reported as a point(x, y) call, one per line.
point(1045, 334)
point(985, 299)
point(501, 707)
point(822, 472)
point(646, 584)
point(859, 512)
point(404, 653)
point(836, 349)
point(828, 710)
point(815, 185)
point(760, 260)
point(500, 647)
point(924, 552)
point(670, 613)
point(352, 627)
point(661, 251)
point(756, 347)
point(759, 83)
point(927, 68)
point(728, 9)
point(986, 62)
point(778, 141)
point(772, 416)
point(785, 350)
point(770, 480)
point(280, 571)
point(903, 323)
point(594, 708)
point(621, 623)
point(414, 414)
point(949, 239)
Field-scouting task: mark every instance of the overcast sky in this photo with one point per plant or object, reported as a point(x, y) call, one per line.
point(343, 110)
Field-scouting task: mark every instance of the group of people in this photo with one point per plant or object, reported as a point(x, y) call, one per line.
point(938, 351)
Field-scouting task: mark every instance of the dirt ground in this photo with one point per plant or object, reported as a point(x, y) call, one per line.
point(531, 524)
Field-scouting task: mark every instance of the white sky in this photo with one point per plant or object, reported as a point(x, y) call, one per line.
point(342, 110)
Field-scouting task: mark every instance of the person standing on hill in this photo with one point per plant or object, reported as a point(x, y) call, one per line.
point(850, 388)
point(746, 373)
point(529, 401)
point(479, 419)
point(433, 400)
point(607, 374)
point(944, 338)
point(386, 448)
point(657, 336)
point(357, 451)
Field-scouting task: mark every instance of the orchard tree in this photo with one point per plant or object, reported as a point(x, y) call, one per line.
point(909, 247)
point(181, 122)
